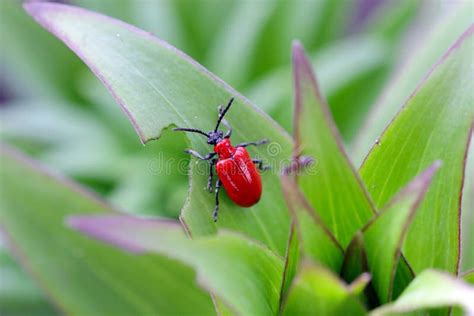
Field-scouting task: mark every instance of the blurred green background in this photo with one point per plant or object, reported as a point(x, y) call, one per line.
point(54, 109)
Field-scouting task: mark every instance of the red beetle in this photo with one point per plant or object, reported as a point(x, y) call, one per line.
point(235, 169)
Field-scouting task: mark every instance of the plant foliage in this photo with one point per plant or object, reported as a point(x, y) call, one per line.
point(325, 239)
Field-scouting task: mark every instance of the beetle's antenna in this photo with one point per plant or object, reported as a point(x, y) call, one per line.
point(222, 114)
point(192, 130)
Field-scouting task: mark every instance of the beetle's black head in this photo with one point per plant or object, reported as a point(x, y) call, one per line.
point(214, 137)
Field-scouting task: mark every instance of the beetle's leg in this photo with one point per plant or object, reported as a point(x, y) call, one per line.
point(260, 142)
point(226, 124)
point(211, 173)
point(209, 156)
point(216, 209)
point(260, 165)
point(198, 155)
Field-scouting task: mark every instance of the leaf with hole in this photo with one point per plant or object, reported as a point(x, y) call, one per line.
point(158, 86)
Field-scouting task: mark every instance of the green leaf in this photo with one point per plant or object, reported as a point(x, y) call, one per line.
point(467, 220)
point(245, 275)
point(377, 248)
point(359, 284)
point(85, 277)
point(18, 294)
point(469, 277)
point(292, 258)
point(158, 86)
point(384, 235)
point(403, 276)
point(314, 238)
point(404, 81)
point(316, 291)
point(355, 259)
point(334, 190)
point(355, 265)
point(431, 289)
point(434, 124)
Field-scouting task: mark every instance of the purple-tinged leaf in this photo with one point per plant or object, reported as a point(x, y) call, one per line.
point(384, 235)
point(317, 291)
point(467, 216)
point(356, 264)
point(292, 257)
point(332, 188)
point(434, 124)
point(421, 55)
point(82, 276)
point(157, 86)
point(431, 289)
point(315, 241)
point(360, 283)
point(246, 276)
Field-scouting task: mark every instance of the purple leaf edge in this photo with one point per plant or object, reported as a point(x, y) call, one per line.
point(105, 228)
point(419, 185)
point(36, 11)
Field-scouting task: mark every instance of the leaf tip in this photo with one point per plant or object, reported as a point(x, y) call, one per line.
point(101, 227)
point(301, 63)
point(30, 7)
point(422, 182)
point(360, 283)
point(297, 48)
point(36, 8)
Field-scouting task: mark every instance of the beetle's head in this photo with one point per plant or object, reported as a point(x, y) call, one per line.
point(214, 137)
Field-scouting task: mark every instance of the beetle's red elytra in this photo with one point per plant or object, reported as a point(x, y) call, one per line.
point(238, 174)
point(236, 171)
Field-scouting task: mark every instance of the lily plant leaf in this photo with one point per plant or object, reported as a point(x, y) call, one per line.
point(434, 124)
point(315, 241)
point(158, 86)
point(384, 235)
point(467, 218)
point(75, 269)
point(399, 88)
point(431, 289)
point(469, 277)
point(360, 283)
point(376, 249)
point(334, 189)
point(355, 265)
point(292, 258)
point(316, 291)
point(19, 295)
point(245, 275)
